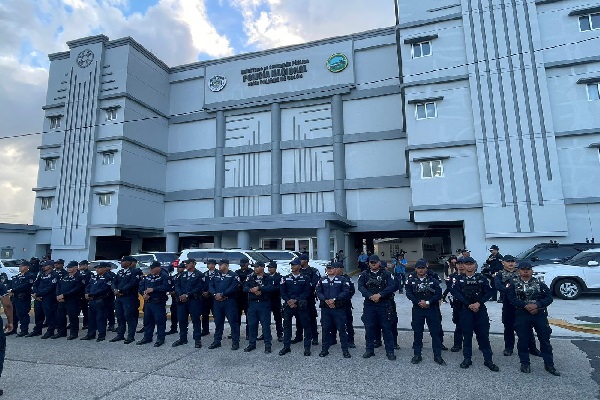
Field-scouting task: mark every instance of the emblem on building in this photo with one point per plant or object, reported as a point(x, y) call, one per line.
point(336, 62)
point(85, 58)
point(217, 83)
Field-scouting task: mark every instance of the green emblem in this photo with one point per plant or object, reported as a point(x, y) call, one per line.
point(336, 62)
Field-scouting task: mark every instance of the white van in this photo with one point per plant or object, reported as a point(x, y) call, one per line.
point(233, 255)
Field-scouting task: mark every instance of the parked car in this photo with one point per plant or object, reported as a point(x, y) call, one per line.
point(115, 265)
point(9, 267)
point(166, 259)
point(568, 280)
point(283, 258)
point(554, 253)
point(233, 255)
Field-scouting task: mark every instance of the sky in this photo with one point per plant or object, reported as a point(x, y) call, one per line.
point(177, 31)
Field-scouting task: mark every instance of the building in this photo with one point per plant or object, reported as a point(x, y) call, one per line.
point(490, 133)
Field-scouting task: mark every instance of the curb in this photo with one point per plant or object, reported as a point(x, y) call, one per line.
point(572, 327)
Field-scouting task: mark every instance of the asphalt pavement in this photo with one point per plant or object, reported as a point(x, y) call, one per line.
point(59, 369)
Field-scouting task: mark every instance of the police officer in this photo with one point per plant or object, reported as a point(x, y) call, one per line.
point(296, 288)
point(425, 293)
point(494, 265)
point(44, 290)
point(333, 292)
point(242, 298)
point(154, 288)
point(97, 293)
point(347, 306)
point(314, 276)
point(276, 301)
point(125, 287)
point(21, 296)
point(87, 275)
point(59, 267)
point(188, 291)
point(223, 287)
point(258, 288)
point(377, 287)
point(207, 299)
point(68, 294)
point(531, 298)
point(472, 290)
point(173, 309)
point(455, 305)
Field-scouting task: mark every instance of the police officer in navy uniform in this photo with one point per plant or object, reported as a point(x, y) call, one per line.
point(68, 294)
point(97, 292)
point(59, 267)
point(155, 288)
point(296, 288)
point(22, 284)
point(425, 293)
point(125, 287)
point(242, 298)
point(44, 289)
point(188, 291)
point(494, 265)
point(377, 287)
point(258, 287)
point(207, 299)
point(455, 305)
point(314, 276)
point(347, 306)
point(333, 292)
point(472, 290)
point(87, 275)
point(531, 298)
point(174, 308)
point(276, 301)
point(223, 287)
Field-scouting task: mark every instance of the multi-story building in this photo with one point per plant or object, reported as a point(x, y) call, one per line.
point(490, 133)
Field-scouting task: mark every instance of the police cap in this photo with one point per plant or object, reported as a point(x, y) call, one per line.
point(49, 263)
point(102, 265)
point(259, 264)
point(84, 262)
point(524, 265)
point(494, 247)
point(211, 261)
point(60, 261)
point(223, 261)
point(272, 264)
point(25, 264)
point(304, 257)
point(295, 261)
point(373, 257)
point(155, 264)
point(337, 265)
point(508, 257)
point(72, 264)
point(421, 263)
point(468, 260)
point(128, 258)
point(244, 260)
point(188, 261)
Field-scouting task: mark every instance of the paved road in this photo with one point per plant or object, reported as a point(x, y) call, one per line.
point(58, 369)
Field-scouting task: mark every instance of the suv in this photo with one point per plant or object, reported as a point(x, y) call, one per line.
point(166, 259)
point(581, 274)
point(233, 255)
point(283, 258)
point(554, 253)
point(9, 268)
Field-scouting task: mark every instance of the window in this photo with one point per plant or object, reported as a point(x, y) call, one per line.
point(54, 122)
point(111, 114)
point(589, 22)
point(426, 110)
point(50, 164)
point(46, 202)
point(593, 91)
point(108, 157)
point(104, 199)
point(422, 49)
point(432, 169)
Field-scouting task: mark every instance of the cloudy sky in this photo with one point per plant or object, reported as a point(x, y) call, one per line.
point(177, 31)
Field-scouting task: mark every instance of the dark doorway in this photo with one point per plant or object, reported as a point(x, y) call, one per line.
point(154, 244)
point(196, 242)
point(112, 247)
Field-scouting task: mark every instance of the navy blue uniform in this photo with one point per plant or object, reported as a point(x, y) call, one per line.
point(314, 276)
point(190, 284)
point(99, 291)
point(259, 307)
point(241, 297)
point(349, 315)
point(521, 293)
point(378, 315)
point(429, 290)
point(333, 288)
point(21, 289)
point(298, 288)
point(125, 286)
point(155, 312)
point(456, 308)
point(226, 285)
point(207, 303)
point(71, 288)
point(85, 308)
point(470, 290)
point(276, 305)
point(44, 287)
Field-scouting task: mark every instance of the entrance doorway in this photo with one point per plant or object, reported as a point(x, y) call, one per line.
point(302, 245)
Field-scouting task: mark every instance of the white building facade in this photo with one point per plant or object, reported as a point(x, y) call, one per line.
point(490, 135)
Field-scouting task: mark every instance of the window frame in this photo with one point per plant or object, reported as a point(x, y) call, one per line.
point(104, 199)
point(429, 164)
point(588, 17)
point(55, 121)
point(108, 157)
point(589, 86)
point(111, 114)
point(50, 163)
point(46, 202)
point(420, 44)
point(424, 105)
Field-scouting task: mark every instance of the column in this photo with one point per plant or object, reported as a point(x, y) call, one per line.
point(217, 240)
point(172, 242)
point(136, 245)
point(275, 158)
point(220, 165)
point(323, 242)
point(243, 239)
point(339, 154)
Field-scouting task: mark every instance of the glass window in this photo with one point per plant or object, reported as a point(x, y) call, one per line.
point(426, 110)
point(50, 164)
point(593, 90)
point(166, 257)
point(589, 22)
point(595, 20)
point(46, 203)
point(257, 256)
point(555, 253)
point(432, 169)
point(104, 199)
point(108, 158)
point(422, 49)
point(199, 255)
point(111, 114)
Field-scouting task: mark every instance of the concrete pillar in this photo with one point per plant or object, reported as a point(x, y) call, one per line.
point(323, 243)
point(243, 239)
point(136, 245)
point(275, 158)
point(219, 165)
point(217, 241)
point(172, 242)
point(339, 154)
